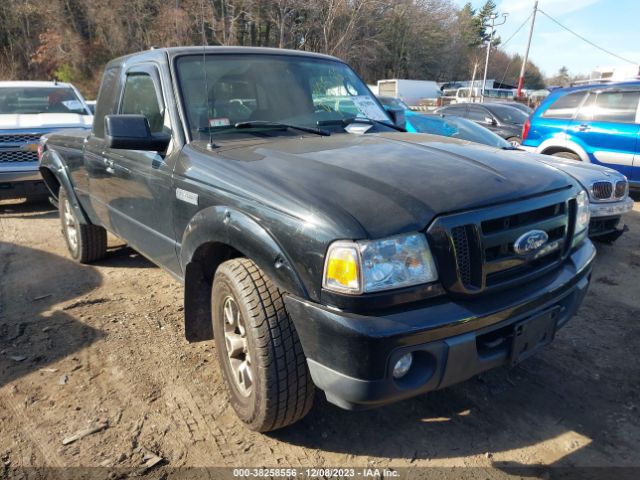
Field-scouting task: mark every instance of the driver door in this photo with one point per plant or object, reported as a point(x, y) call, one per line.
point(139, 190)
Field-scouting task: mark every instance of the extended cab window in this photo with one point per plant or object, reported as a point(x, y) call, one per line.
point(565, 107)
point(610, 106)
point(140, 98)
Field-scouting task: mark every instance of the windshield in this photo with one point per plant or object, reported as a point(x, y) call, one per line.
point(507, 114)
point(228, 89)
point(457, 127)
point(25, 100)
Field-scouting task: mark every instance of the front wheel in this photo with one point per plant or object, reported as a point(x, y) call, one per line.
point(514, 141)
point(86, 243)
point(258, 349)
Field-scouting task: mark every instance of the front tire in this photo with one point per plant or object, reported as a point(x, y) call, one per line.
point(86, 243)
point(258, 348)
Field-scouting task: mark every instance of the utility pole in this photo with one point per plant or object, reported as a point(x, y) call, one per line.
point(526, 53)
point(486, 62)
point(473, 83)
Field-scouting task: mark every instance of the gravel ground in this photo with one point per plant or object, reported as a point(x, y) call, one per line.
point(101, 347)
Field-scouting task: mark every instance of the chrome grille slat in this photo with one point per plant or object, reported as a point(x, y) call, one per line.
point(621, 188)
point(602, 190)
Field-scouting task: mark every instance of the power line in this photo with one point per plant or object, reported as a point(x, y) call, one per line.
point(502, 44)
point(506, 70)
point(586, 40)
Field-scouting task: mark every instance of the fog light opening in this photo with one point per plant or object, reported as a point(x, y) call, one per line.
point(402, 366)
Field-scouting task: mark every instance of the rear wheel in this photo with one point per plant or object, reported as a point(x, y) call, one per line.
point(515, 141)
point(569, 155)
point(259, 351)
point(86, 243)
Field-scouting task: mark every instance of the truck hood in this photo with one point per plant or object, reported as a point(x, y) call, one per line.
point(389, 183)
point(44, 120)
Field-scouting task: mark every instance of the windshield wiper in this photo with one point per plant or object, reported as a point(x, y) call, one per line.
point(267, 124)
point(348, 121)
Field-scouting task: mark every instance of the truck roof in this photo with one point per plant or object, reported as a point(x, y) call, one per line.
point(172, 52)
point(34, 84)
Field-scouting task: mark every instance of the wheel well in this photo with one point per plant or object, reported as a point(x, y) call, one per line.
point(552, 150)
point(50, 180)
point(198, 279)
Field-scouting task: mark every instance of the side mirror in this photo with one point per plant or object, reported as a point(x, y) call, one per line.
point(132, 132)
point(489, 121)
point(397, 116)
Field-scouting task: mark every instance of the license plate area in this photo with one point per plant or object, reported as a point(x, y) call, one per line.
point(532, 334)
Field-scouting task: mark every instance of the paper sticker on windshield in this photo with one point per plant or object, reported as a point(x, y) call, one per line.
point(369, 108)
point(73, 105)
point(219, 122)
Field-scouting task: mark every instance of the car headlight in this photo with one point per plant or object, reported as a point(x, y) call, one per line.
point(583, 213)
point(374, 265)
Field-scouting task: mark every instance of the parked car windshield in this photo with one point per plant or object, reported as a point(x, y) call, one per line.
point(25, 100)
point(457, 127)
point(220, 91)
point(507, 114)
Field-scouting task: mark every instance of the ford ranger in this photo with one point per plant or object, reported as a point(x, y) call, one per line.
point(319, 244)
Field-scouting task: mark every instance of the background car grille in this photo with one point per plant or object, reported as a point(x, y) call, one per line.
point(621, 188)
point(19, 138)
point(18, 156)
point(478, 246)
point(602, 190)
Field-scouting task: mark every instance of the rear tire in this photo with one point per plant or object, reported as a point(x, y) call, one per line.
point(569, 155)
point(86, 243)
point(258, 348)
point(515, 141)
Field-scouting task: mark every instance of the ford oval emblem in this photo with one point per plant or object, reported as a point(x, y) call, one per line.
point(530, 242)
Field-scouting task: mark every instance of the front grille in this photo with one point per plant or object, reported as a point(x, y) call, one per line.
point(621, 188)
point(462, 253)
point(19, 138)
point(602, 190)
point(18, 156)
point(475, 250)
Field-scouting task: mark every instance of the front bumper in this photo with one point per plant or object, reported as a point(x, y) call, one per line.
point(351, 356)
point(21, 183)
point(611, 209)
point(605, 218)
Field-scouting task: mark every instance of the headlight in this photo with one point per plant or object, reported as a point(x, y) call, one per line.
point(372, 266)
point(583, 213)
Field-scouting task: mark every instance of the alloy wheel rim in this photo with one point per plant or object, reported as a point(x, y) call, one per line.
point(235, 339)
point(70, 226)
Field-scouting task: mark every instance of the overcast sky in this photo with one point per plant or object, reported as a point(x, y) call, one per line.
point(612, 24)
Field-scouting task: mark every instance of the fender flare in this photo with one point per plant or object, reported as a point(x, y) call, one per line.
point(228, 227)
point(52, 164)
point(567, 144)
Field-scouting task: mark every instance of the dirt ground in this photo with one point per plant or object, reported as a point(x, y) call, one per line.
point(81, 345)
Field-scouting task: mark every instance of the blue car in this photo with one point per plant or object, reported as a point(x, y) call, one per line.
point(599, 124)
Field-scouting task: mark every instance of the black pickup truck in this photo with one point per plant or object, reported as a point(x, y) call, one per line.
point(318, 243)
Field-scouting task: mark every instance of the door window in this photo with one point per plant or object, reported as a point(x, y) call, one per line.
point(565, 107)
point(477, 114)
point(610, 106)
point(140, 98)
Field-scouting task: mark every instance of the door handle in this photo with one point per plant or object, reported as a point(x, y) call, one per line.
point(108, 165)
point(584, 127)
